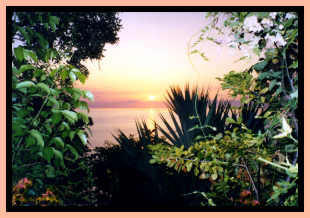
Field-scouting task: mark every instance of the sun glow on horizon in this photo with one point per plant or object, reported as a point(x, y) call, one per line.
point(151, 97)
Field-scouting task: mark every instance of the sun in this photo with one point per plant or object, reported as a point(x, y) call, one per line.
point(151, 97)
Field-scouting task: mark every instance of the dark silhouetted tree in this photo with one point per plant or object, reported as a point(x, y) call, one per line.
point(82, 35)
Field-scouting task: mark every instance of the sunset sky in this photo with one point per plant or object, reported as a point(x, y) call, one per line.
point(151, 55)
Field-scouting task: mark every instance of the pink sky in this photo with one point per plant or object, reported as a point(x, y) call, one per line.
point(152, 55)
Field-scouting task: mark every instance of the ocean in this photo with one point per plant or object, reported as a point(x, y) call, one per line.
point(107, 121)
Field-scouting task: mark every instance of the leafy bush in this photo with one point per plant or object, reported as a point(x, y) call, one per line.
point(255, 163)
point(49, 116)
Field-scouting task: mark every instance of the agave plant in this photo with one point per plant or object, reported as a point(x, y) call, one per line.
point(218, 111)
point(146, 137)
point(190, 112)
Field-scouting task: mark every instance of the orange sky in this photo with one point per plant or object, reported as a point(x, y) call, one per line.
point(152, 55)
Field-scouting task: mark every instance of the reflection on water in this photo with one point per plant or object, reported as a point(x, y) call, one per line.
point(151, 118)
point(107, 121)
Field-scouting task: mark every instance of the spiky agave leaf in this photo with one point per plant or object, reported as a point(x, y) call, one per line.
point(218, 111)
point(193, 104)
point(177, 135)
point(181, 106)
point(146, 136)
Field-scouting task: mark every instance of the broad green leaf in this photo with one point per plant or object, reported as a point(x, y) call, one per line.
point(64, 74)
point(210, 202)
point(19, 129)
point(53, 19)
point(214, 176)
point(189, 165)
point(285, 126)
point(24, 84)
point(19, 53)
point(65, 124)
point(53, 26)
point(30, 141)
point(43, 77)
point(76, 93)
point(70, 116)
point(56, 118)
point(58, 142)
point(50, 54)
point(82, 137)
point(44, 87)
point(294, 65)
point(292, 171)
point(263, 91)
point(260, 65)
point(59, 156)
point(80, 75)
point(30, 54)
point(84, 117)
point(53, 102)
point(64, 134)
point(72, 76)
point(54, 92)
point(152, 161)
point(196, 171)
point(286, 130)
point(48, 154)
point(82, 78)
point(71, 135)
point(37, 135)
point(73, 151)
point(262, 99)
point(89, 95)
point(38, 73)
point(83, 105)
point(48, 127)
point(25, 67)
point(24, 33)
point(66, 106)
point(267, 114)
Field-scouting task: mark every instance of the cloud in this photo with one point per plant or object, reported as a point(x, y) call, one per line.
point(127, 104)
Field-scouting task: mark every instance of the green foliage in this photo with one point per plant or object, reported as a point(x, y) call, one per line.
point(274, 90)
point(260, 151)
point(221, 160)
point(194, 116)
point(45, 123)
point(78, 35)
point(146, 136)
